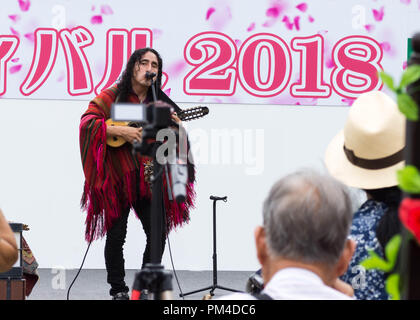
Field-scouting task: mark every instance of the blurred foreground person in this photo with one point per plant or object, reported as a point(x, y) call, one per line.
point(8, 247)
point(367, 154)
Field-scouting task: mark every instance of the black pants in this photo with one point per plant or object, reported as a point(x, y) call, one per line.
point(115, 239)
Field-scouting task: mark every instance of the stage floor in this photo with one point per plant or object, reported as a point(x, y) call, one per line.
point(91, 284)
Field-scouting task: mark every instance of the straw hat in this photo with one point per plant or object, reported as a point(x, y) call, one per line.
point(367, 153)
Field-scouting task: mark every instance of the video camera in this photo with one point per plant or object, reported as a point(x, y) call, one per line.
point(152, 117)
point(158, 128)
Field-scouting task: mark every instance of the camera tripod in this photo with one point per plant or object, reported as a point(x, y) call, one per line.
point(153, 277)
point(215, 285)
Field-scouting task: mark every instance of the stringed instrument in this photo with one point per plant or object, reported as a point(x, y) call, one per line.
point(184, 115)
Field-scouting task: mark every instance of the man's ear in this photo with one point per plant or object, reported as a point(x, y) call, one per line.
point(345, 258)
point(261, 244)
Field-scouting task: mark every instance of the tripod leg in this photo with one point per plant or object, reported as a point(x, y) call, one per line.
point(212, 289)
point(227, 289)
point(195, 291)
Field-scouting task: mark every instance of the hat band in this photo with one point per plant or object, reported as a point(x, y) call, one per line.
point(374, 164)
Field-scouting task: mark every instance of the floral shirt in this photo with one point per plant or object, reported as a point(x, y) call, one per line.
point(367, 284)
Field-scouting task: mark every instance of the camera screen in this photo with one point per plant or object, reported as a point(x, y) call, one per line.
point(128, 112)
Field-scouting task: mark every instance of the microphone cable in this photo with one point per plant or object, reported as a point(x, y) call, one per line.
point(80, 269)
point(173, 268)
point(167, 236)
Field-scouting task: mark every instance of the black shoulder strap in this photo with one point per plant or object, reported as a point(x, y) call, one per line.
point(262, 296)
point(163, 97)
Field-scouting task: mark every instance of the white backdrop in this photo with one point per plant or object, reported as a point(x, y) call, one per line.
point(41, 180)
point(41, 176)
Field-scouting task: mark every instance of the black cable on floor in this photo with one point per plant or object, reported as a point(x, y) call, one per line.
point(173, 268)
point(80, 269)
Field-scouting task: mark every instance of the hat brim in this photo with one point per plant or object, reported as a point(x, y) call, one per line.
point(343, 170)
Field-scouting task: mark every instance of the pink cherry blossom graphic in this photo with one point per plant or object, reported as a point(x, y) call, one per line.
point(96, 20)
point(314, 101)
point(296, 22)
point(157, 33)
point(15, 69)
point(369, 27)
point(302, 6)
point(219, 16)
point(348, 102)
point(210, 11)
point(30, 37)
point(14, 17)
point(269, 23)
point(286, 99)
point(329, 63)
point(99, 68)
point(311, 19)
point(14, 32)
point(61, 77)
point(175, 69)
point(233, 99)
point(289, 25)
point(14, 60)
point(379, 14)
point(168, 92)
point(106, 10)
point(251, 27)
point(24, 4)
point(276, 9)
point(386, 46)
point(273, 12)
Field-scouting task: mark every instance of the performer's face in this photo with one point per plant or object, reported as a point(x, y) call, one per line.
point(148, 63)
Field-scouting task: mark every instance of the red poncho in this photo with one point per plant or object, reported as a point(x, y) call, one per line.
point(111, 173)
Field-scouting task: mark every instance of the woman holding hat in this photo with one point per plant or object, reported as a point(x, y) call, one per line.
point(366, 154)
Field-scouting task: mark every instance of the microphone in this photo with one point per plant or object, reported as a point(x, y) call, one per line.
point(150, 75)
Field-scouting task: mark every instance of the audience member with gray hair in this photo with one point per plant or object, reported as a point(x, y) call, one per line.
point(303, 245)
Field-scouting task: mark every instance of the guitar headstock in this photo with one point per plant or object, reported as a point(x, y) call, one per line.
point(193, 113)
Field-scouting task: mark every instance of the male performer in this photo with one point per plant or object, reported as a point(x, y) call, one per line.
point(116, 180)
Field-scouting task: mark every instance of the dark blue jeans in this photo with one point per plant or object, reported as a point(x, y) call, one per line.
point(115, 239)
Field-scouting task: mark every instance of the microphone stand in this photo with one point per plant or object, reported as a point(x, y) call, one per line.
point(153, 87)
point(215, 285)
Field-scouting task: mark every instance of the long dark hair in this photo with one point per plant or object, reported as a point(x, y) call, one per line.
point(124, 84)
point(389, 225)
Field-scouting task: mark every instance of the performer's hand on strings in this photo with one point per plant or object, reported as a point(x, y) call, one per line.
point(128, 133)
point(132, 134)
point(175, 118)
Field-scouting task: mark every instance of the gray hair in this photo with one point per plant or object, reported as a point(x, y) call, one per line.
point(307, 217)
